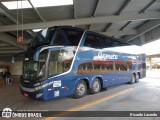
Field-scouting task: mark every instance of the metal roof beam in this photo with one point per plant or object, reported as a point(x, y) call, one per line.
point(10, 51)
point(8, 48)
point(126, 32)
point(84, 21)
point(14, 20)
point(118, 12)
point(142, 11)
point(95, 9)
point(3, 44)
point(37, 12)
point(10, 40)
point(27, 41)
point(123, 7)
point(143, 29)
point(147, 6)
point(5, 55)
point(94, 12)
point(74, 9)
point(4, 21)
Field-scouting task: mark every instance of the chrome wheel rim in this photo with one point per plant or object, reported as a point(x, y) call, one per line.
point(81, 89)
point(96, 86)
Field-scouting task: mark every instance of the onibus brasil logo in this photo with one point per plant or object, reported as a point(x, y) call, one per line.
point(7, 113)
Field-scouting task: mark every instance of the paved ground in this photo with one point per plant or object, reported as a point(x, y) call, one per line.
point(143, 96)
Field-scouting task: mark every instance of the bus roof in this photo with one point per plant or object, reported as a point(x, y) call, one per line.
point(72, 27)
point(116, 39)
point(96, 33)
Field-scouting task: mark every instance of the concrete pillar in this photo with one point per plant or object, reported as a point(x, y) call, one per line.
point(150, 63)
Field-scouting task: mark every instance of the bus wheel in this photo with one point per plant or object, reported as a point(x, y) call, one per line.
point(96, 86)
point(133, 79)
point(81, 89)
point(137, 78)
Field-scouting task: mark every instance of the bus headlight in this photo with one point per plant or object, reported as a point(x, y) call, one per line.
point(38, 95)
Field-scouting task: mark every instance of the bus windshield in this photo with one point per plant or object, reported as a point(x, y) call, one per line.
point(30, 70)
point(59, 62)
point(42, 38)
point(35, 70)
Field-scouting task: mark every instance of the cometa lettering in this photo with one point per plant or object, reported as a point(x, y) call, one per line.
point(107, 56)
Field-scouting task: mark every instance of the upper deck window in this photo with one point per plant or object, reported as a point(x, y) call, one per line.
point(63, 37)
point(92, 42)
point(100, 42)
point(68, 37)
point(42, 38)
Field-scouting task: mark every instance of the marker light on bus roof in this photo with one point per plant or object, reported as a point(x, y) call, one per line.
point(36, 30)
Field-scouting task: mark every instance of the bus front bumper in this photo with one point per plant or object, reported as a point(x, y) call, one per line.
point(33, 93)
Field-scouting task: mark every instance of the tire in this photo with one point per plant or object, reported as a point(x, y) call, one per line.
point(137, 79)
point(81, 89)
point(133, 79)
point(96, 86)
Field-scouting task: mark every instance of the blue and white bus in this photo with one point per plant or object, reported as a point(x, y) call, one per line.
point(64, 60)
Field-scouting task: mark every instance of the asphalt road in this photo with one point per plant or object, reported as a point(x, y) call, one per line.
point(142, 96)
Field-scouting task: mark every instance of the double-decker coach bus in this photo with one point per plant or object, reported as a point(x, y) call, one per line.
point(63, 60)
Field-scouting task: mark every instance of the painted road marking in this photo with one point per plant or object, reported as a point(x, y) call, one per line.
point(90, 104)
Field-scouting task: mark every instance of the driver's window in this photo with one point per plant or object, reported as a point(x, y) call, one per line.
point(55, 63)
point(42, 63)
point(60, 61)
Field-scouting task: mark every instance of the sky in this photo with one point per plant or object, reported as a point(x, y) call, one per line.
point(40, 3)
point(152, 47)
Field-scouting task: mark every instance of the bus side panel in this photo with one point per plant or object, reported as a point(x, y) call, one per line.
point(60, 86)
point(93, 62)
point(120, 65)
point(121, 77)
point(84, 67)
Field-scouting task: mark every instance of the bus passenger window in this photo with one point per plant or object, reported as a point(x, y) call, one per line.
point(68, 37)
point(106, 43)
point(92, 42)
point(109, 42)
point(87, 43)
point(85, 68)
point(73, 36)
